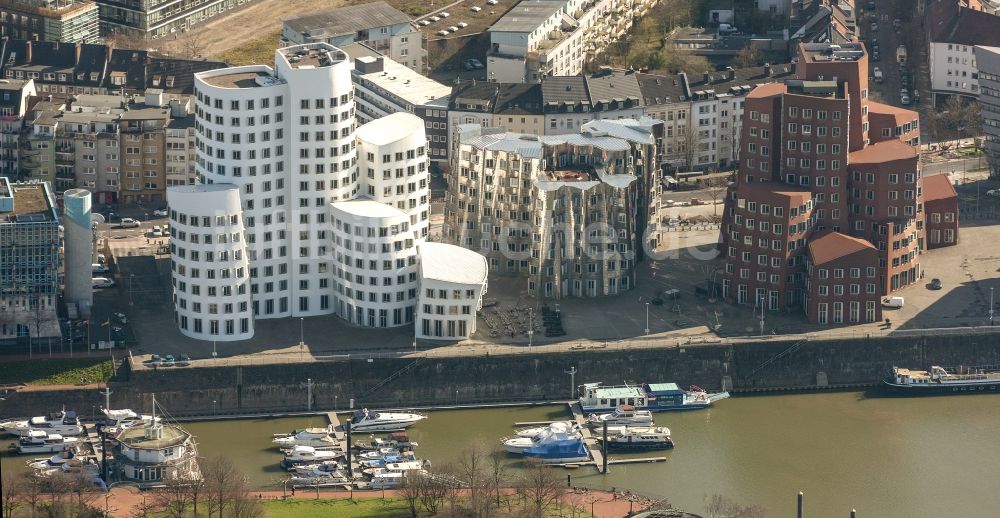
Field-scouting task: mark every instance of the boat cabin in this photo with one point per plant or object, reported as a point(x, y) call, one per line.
point(596, 396)
point(664, 394)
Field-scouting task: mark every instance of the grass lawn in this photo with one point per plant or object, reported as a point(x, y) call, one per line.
point(55, 372)
point(339, 507)
point(258, 51)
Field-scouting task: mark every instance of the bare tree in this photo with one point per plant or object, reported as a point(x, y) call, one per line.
point(471, 467)
point(497, 470)
point(719, 506)
point(748, 57)
point(192, 44)
point(32, 490)
point(432, 493)
point(412, 486)
point(11, 496)
point(227, 490)
point(174, 498)
point(540, 487)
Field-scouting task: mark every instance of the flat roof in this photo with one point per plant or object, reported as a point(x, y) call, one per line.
point(234, 80)
point(347, 20)
point(391, 128)
point(618, 392)
point(527, 15)
point(662, 387)
point(405, 82)
point(171, 436)
point(312, 55)
point(31, 203)
point(450, 263)
point(203, 187)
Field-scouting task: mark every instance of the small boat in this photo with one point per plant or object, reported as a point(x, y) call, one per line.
point(624, 415)
point(64, 423)
point(655, 397)
point(307, 455)
point(319, 438)
point(52, 462)
point(380, 453)
point(641, 438)
point(380, 463)
point(555, 432)
point(365, 421)
point(537, 430)
point(121, 419)
point(395, 440)
point(396, 467)
point(38, 441)
point(565, 451)
point(942, 381)
point(386, 480)
point(329, 466)
point(320, 479)
point(86, 467)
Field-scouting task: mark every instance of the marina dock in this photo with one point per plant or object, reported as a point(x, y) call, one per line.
point(588, 438)
point(338, 430)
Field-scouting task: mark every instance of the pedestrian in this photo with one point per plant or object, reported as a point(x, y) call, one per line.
point(293, 490)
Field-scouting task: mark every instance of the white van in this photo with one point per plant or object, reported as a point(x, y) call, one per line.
point(157, 231)
point(98, 268)
point(101, 282)
point(892, 302)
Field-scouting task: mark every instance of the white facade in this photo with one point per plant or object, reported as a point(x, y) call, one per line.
point(286, 138)
point(210, 268)
point(953, 69)
point(394, 155)
point(452, 284)
point(376, 271)
point(78, 240)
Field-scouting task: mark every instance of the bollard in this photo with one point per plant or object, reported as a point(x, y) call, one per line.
point(798, 514)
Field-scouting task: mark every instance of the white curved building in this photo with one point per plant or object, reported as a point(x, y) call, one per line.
point(452, 284)
point(210, 267)
point(393, 152)
point(285, 136)
point(78, 242)
point(376, 263)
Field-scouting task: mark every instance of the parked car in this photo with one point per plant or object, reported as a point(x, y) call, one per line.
point(101, 282)
point(435, 18)
point(876, 56)
point(121, 317)
point(467, 65)
point(905, 99)
point(101, 259)
point(128, 223)
point(993, 192)
point(476, 64)
point(492, 2)
point(160, 213)
point(475, 8)
point(874, 26)
point(442, 33)
point(462, 25)
point(98, 268)
point(697, 201)
point(893, 302)
point(424, 23)
point(935, 284)
point(452, 29)
point(444, 15)
point(157, 231)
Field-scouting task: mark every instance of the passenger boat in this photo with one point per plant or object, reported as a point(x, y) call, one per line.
point(365, 421)
point(655, 397)
point(624, 415)
point(555, 432)
point(657, 438)
point(64, 423)
point(319, 438)
point(939, 381)
point(38, 441)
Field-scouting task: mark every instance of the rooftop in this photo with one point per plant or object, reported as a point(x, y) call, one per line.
point(951, 22)
point(403, 81)
point(347, 20)
point(171, 436)
point(767, 90)
point(206, 187)
point(773, 188)
point(834, 245)
point(938, 187)
point(391, 128)
point(235, 79)
point(885, 151)
point(312, 55)
point(527, 15)
point(31, 204)
point(450, 263)
point(888, 109)
point(367, 208)
point(827, 52)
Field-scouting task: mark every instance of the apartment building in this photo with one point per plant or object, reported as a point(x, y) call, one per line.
point(383, 87)
point(378, 25)
point(540, 38)
point(567, 214)
point(988, 71)
point(154, 19)
point(328, 215)
point(13, 108)
point(29, 271)
point(954, 29)
point(67, 21)
point(823, 170)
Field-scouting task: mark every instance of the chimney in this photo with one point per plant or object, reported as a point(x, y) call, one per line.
point(730, 73)
point(767, 70)
point(27, 52)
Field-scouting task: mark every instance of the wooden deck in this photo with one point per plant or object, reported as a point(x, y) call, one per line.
point(589, 440)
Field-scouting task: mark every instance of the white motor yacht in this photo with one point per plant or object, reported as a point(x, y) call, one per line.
point(387, 480)
point(554, 432)
point(365, 421)
point(52, 462)
point(305, 469)
point(537, 430)
point(380, 453)
point(319, 438)
point(38, 441)
point(624, 415)
point(64, 423)
point(308, 455)
point(641, 438)
point(319, 478)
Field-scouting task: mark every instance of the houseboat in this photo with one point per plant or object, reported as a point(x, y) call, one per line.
point(939, 381)
point(655, 397)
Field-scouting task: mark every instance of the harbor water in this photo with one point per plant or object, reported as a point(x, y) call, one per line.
point(884, 457)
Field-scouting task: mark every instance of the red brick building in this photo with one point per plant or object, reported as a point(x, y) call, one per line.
point(941, 206)
point(845, 173)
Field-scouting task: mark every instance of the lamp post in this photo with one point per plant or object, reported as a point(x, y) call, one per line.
point(215, 353)
point(572, 380)
point(309, 394)
point(647, 318)
point(302, 340)
point(991, 306)
point(531, 325)
point(761, 315)
point(215, 410)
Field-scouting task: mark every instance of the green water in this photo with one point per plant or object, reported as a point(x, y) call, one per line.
point(929, 457)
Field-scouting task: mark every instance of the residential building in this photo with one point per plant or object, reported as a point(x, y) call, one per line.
point(29, 260)
point(153, 20)
point(377, 25)
point(822, 21)
point(383, 87)
point(539, 38)
point(941, 205)
point(63, 69)
point(452, 284)
point(567, 214)
point(988, 71)
point(331, 214)
point(819, 161)
point(954, 29)
point(14, 96)
point(67, 21)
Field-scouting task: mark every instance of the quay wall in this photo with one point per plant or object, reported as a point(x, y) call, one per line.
point(768, 365)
